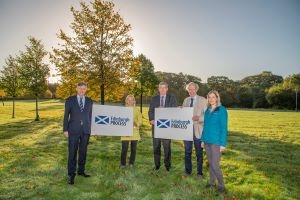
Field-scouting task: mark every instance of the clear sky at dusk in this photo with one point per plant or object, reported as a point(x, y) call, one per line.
point(234, 38)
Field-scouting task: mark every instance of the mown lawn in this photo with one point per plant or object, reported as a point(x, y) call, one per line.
point(262, 160)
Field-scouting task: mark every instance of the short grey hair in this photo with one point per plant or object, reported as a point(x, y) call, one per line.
point(192, 83)
point(163, 83)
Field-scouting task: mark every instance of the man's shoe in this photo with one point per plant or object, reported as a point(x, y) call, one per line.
point(185, 174)
point(200, 176)
point(71, 180)
point(84, 175)
point(156, 168)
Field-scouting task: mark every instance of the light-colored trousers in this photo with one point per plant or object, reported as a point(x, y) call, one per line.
point(213, 155)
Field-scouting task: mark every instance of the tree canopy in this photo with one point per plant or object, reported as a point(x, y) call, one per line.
point(98, 52)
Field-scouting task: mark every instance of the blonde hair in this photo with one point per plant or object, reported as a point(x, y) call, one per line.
point(127, 97)
point(216, 93)
point(192, 83)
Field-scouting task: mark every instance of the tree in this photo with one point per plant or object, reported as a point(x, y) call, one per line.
point(280, 97)
point(245, 97)
point(2, 95)
point(144, 77)
point(226, 87)
point(284, 95)
point(177, 83)
point(99, 52)
point(260, 84)
point(33, 72)
point(294, 84)
point(10, 79)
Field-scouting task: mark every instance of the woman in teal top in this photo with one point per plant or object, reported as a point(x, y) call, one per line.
point(214, 138)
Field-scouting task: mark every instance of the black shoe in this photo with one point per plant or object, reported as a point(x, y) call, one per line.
point(71, 180)
point(156, 168)
point(168, 169)
point(84, 175)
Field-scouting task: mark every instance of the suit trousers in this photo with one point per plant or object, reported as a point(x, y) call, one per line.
point(213, 156)
point(188, 149)
point(125, 144)
point(77, 143)
point(157, 152)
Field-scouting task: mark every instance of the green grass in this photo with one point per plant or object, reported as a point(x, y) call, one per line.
point(262, 160)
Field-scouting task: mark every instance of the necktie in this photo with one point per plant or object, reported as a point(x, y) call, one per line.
point(192, 100)
point(81, 104)
point(162, 101)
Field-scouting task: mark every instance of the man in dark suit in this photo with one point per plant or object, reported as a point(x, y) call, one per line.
point(161, 100)
point(77, 128)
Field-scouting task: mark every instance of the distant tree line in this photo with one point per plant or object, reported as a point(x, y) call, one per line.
point(99, 52)
point(264, 90)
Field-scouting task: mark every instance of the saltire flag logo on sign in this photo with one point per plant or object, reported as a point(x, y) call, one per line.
point(163, 123)
point(101, 119)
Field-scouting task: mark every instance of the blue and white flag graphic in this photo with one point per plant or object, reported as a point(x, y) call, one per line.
point(102, 119)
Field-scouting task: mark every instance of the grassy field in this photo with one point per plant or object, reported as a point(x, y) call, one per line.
point(262, 160)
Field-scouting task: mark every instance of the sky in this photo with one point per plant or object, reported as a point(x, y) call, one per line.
point(233, 38)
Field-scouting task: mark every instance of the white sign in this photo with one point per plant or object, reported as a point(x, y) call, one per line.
point(174, 123)
point(112, 120)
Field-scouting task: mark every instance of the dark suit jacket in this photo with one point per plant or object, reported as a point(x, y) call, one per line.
point(73, 117)
point(155, 103)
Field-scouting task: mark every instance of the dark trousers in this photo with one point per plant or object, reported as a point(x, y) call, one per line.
point(188, 149)
point(125, 144)
point(157, 152)
point(77, 143)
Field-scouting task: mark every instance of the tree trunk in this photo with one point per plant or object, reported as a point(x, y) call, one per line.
point(102, 93)
point(141, 100)
point(37, 117)
point(13, 113)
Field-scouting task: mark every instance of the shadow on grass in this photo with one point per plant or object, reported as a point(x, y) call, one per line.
point(32, 166)
point(27, 126)
point(52, 107)
point(278, 160)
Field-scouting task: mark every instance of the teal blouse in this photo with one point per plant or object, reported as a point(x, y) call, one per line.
point(215, 126)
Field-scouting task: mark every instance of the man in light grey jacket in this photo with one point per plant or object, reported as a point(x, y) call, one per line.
point(199, 104)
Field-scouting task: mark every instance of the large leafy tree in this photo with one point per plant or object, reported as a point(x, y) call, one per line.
point(260, 84)
point(33, 70)
point(99, 51)
point(285, 94)
point(10, 80)
point(280, 97)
